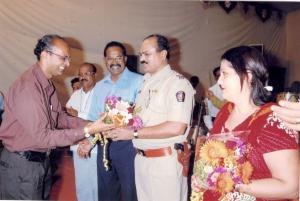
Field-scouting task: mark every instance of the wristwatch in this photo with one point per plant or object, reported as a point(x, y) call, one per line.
point(135, 134)
point(86, 132)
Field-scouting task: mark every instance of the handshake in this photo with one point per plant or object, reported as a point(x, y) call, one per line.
point(107, 130)
point(119, 122)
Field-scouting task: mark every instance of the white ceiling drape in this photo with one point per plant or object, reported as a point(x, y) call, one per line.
point(199, 36)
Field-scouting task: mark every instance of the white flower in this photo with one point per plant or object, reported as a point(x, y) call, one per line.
point(113, 112)
point(122, 106)
point(128, 117)
point(123, 113)
point(208, 169)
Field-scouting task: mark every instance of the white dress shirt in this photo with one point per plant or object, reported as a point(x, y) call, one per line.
point(81, 102)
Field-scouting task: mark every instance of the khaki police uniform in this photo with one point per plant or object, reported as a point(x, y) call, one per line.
point(165, 96)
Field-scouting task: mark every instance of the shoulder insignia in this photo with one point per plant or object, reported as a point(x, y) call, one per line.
point(180, 96)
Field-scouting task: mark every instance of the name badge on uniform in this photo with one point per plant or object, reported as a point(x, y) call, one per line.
point(151, 92)
point(180, 96)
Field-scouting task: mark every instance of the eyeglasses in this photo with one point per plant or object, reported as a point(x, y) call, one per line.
point(117, 59)
point(65, 58)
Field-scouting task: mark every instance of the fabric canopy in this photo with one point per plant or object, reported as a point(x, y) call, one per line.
point(198, 35)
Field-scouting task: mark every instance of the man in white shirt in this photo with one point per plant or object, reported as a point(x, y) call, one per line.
point(78, 106)
point(214, 100)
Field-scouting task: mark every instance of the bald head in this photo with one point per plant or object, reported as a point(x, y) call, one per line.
point(87, 76)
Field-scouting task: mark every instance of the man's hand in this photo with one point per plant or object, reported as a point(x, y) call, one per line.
point(71, 111)
point(121, 133)
point(84, 148)
point(289, 113)
point(99, 126)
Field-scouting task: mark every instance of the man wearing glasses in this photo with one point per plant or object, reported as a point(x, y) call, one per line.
point(166, 102)
point(34, 123)
point(79, 106)
point(118, 183)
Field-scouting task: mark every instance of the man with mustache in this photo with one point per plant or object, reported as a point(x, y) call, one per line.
point(79, 106)
point(34, 123)
point(166, 102)
point(118, 183)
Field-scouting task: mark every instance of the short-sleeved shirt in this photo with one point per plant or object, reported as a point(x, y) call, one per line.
point(81, 102)
point(165, 96)
point(126, 87)
point(34, 119)
point(267, 134)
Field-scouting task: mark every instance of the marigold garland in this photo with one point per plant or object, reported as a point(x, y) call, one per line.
point(103, 142)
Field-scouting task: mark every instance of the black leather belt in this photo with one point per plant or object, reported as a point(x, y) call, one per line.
point(33, 155)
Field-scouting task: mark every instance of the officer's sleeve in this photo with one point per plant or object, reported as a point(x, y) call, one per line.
point(180, 100)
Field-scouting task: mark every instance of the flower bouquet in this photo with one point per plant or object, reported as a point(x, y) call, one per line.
point(120, 113)
point(220, 165)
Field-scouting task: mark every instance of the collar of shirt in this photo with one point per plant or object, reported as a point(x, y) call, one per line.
point(165, 71)
point(85, 93)
point(123, 78)
point(42, 79)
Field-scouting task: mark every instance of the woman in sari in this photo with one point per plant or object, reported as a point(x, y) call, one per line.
point(273, 149)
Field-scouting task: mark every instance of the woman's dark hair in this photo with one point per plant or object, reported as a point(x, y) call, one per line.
point(162, 43)
point(246, 59)
point(45, 43)
point(115, 44)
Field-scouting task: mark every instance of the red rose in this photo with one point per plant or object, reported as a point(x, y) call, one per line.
point(130, 122)
point(130, 110)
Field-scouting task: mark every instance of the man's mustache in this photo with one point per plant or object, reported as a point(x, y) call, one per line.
point(113, 65)
point(144, 62)
point(83, 80)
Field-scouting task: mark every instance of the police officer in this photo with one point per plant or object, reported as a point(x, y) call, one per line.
point(166, 102)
